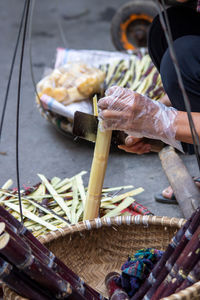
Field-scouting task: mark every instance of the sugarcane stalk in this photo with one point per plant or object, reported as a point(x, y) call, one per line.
point(192, 278)
point(152, 282)
point(4, 227)
point(32, 267)
point(184, 264)
point(35, 251)
point(180, 245)
point(14, 280)
point(97, 174)
point(79, 286)
point(77, 283)
point(115, 292)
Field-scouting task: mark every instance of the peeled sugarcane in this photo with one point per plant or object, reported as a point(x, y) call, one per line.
point(97, 173)
point(185, 263)
point(13, 279)
point(31, 266)
point(152, 282)
point(80, 289)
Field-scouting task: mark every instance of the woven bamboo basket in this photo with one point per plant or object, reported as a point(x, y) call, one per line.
point(94, 248)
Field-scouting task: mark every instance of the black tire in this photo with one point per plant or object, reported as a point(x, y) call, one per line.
point(130, 24)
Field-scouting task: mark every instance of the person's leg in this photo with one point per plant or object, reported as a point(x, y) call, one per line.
point(183, 21)
point(188, 56)
point(157, 45)
point(187, 49)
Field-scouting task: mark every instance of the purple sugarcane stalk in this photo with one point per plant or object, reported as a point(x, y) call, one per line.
point(184, 264)
point(192, 278)
point(151, 283)
point(176, 253)
point(13, 280)
point(78, 285)
point(31, 266)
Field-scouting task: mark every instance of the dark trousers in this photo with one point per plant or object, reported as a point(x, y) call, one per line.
point(185, 27)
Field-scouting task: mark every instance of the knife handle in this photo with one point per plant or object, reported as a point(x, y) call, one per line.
point(156, 145)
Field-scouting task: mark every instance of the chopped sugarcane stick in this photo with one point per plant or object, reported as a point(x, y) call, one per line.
point(74, 202)
point(55, 195)
point(123, 205)
point(118, 198)
point(95, 108)
point(119, 188)
point(32, 267)
point(62, 269)
point(181, 268)
point(114, 75)
point(14, 280)
point(192, 278)
point(42, 207)
point(7, 185)
point(115, 292)
point(97, 173)
point(30, 215)
point(151, 283)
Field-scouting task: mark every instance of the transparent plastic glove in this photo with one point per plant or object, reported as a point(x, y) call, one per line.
point(137, 115)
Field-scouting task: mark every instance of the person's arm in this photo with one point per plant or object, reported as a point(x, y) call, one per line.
point(139, 116)
point(183, 132)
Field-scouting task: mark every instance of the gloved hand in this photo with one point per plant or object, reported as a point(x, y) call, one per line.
point(137, 115)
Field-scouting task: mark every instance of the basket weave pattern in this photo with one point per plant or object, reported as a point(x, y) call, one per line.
point(94, 248)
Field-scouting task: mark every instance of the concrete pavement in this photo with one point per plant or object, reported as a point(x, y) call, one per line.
point(43, 149)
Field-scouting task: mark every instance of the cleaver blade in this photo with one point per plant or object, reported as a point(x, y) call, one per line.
point(85, 126)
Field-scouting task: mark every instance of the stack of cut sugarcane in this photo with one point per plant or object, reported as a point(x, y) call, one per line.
point(56, 203)
point(179, 266)
point(138, 74)
point(31, 270)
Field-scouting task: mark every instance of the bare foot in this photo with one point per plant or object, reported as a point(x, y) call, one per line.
point(168, 192)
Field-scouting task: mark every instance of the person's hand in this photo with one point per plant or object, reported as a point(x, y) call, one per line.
point(137, 115)
point(135, 145)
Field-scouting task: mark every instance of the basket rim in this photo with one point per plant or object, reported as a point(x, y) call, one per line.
point(192, 291)
point(97, 223)
point(112, 221)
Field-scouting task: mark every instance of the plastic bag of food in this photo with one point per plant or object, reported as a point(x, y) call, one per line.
point(74, 81)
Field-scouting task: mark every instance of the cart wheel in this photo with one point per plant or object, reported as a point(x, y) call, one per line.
point(130, 24)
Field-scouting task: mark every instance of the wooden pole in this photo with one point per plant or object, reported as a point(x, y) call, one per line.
point(186, 192)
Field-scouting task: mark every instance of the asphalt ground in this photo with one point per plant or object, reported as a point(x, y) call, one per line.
point(42, 149)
